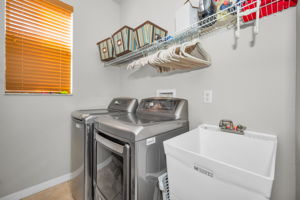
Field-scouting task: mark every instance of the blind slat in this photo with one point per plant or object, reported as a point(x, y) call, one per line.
point(38, 61)
point(52, 58)
point(61, 4)
point(39, 26)
point(39, 82)
point(63, 75)
point(31, 91)
point(30, 64)
point(33, 7)
point(38, 46)
point(47, 4)
point(23, 12)
point(23, 29)
point(59, 57)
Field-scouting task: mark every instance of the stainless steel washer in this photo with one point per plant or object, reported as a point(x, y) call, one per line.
point(128, 149)
point(82, 141)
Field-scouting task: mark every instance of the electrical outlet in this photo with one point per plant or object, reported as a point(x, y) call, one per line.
point(208, 96)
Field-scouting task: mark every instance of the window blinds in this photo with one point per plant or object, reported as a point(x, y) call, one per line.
point(38, 46)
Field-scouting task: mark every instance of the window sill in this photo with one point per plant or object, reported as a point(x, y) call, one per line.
point(35, 94)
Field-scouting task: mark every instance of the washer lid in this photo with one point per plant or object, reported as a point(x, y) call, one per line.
point(117, 105)
point(125, 104)
point(136, 127)
point(83, 114)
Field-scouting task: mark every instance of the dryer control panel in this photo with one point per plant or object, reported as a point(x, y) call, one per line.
point(123, 104)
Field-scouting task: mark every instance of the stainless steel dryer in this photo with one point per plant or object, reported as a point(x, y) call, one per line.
point(128, 149)
point(82, 141)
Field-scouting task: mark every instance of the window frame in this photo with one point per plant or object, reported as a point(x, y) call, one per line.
point(37, 93)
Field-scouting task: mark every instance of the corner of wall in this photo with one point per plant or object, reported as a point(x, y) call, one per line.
point(2, 46)
point(297, 105)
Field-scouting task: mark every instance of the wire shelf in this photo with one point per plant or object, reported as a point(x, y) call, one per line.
point(242, 12)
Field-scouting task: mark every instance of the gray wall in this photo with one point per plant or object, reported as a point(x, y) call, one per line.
point(35, 130)
point(253, 85)
point(298, 105)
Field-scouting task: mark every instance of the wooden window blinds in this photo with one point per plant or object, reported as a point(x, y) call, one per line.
point(38, 46)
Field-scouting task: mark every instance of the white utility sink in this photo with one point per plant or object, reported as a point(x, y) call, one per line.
point(209, 164)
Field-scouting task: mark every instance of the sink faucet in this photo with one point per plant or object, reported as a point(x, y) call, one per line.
point(228, 126)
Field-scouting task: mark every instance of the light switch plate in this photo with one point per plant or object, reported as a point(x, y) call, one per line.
point(166, 93)
point(208, 96)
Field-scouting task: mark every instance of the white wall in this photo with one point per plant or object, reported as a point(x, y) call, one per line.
point(35, 130)
point(298, 105)
point(253, 85)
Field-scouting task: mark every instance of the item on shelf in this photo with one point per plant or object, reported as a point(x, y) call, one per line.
point(224, 16)
point(106, 49)
point(187, 15)
point(206, 8)
point(202, 9)
point(169, 37)
point(226, 5)
point(206, 12)
point(124, 41)
point(269, 7)
point(148, 33)
point(226, 11)
point(187, 56)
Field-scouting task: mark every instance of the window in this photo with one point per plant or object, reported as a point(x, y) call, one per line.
point(38, 46)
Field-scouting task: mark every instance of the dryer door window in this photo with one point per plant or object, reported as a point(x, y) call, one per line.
point(112, 170)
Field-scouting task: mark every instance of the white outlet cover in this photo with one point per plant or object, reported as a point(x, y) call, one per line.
point(166, 93)
point(208, 96)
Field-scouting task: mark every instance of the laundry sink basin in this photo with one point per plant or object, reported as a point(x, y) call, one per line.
point(209, 164)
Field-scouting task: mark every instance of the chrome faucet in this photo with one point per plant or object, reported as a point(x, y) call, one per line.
point(228, 126)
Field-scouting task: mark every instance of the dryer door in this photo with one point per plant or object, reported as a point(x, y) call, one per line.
point(111, 169)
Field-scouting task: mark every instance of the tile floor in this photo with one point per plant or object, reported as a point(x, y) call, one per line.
point(58, 192)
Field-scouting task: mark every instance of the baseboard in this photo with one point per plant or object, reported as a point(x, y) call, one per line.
point(42, 186)
point(48, 184)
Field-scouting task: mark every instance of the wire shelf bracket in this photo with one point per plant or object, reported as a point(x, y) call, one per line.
point(235, 12)
point(245, 13)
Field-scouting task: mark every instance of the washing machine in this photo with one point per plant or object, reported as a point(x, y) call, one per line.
point(128, 149)
point(82, 144)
